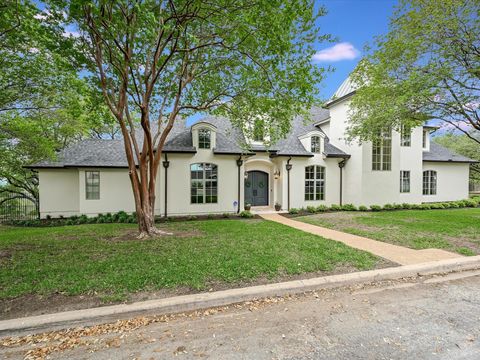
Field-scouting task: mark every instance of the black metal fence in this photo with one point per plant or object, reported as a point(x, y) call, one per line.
point(14, 208)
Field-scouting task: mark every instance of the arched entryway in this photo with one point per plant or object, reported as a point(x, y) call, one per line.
point(256, 188)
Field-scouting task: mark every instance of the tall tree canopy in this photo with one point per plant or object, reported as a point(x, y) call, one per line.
point(44, 105)
point(426, 67)
point(156, 60)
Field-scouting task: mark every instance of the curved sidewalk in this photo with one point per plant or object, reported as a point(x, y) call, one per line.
point(398, 254)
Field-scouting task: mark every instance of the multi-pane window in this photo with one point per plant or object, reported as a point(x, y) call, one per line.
point(258, 131)
point(315, 146)
point(429, 182)
point(382, 151)
point(404, 181)
point(405, 136)
point(92, 185)
point(204, 138)
point(314, 182)
point(203, 183)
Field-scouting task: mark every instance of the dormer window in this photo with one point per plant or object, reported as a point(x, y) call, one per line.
point(315, 145)
point(204, 138)
point(258, 131)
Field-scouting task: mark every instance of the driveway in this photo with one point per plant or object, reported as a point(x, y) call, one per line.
point(434, 318)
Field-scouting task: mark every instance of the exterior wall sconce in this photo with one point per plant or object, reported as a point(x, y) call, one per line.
point(245, 175)
point(276, 174)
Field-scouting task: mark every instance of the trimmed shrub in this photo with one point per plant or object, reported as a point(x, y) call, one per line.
point(397, 206)
point(362, 208)
point(246, 214)
point(406, 206)
point(226, 215)
point(322, 208)
point(388, 207)
point(375, 207)
point(349, 207)
point(192, 217)
point(294, 211)
point(335, 207)
point(425, 206)
point(470, 203)
point(437, 206)
point(210, 216)
point(311, 209)
point(83, 219)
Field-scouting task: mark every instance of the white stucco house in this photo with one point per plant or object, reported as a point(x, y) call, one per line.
point(206, 170)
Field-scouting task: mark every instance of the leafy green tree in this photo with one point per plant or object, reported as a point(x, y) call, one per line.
point(426, 67)
point(44, 105)
point(463, 145)
point(156, 60)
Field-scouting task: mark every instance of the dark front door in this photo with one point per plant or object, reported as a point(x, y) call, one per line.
point(256, 188)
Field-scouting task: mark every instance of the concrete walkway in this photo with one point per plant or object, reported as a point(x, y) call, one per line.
point(398, 254)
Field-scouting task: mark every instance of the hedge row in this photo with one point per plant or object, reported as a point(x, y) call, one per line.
point(473, 202)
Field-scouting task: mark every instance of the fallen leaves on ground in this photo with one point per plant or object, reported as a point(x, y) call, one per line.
point(61, 340)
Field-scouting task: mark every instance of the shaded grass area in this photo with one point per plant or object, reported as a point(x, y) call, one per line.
point(107, 260)
point(452, 229)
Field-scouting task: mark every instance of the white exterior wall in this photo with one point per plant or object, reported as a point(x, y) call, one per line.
point(178, 193)
point(364, 186)
point(62, 191)
point(58, 190)
point(452, 181)
point(115, 192)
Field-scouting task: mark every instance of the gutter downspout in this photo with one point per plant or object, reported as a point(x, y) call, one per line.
point(288, 167)
point(166, 164)
point(341, 165)
point(239, 165)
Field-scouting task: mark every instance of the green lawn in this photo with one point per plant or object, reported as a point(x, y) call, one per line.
point(454, 229)
point(106, 259)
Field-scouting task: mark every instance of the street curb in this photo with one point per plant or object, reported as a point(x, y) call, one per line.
point(220, 298)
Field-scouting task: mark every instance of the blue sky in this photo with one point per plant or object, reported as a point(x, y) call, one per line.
point(353, 22)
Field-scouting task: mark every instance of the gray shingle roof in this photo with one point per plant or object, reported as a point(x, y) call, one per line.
point(229, 140)
point(442, 154)
point(291, 145)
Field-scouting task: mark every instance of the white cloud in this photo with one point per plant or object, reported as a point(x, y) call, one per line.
point(338, 52)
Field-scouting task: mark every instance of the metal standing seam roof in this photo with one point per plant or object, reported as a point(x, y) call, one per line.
point(229, 140)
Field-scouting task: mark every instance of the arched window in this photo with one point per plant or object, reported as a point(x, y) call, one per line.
point(315, 182)
point(315, 144)
point(429, 182)
point(204, 136)
point(203, 183)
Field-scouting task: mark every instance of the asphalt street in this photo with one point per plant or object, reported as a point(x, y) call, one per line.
point(434, 318)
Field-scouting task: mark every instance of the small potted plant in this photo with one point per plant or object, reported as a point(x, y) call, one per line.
point(278, 206)
point(247, 206)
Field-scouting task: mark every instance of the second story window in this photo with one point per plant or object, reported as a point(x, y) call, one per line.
point(204, 136)
point(382, 151)
point(424, 139)
point(315, 146)
point(405, 136)
point(258, 131)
